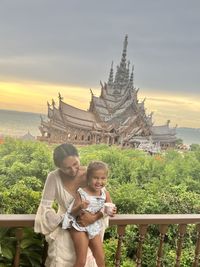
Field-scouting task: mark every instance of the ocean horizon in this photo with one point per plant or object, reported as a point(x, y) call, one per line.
point(18, 123)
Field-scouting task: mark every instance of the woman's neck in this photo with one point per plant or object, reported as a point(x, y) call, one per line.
point(69, 183)
point(65, 177)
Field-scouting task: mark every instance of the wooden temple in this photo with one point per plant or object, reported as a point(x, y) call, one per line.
point(115, 117)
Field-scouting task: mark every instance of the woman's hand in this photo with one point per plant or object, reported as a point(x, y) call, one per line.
point(84, 204)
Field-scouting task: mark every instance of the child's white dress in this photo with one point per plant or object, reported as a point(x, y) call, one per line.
point(96, 203)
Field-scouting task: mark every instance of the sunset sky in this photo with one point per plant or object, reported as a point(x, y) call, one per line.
point(67, 46)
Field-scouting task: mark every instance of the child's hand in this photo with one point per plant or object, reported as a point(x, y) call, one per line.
point(84, 204)
point(114, 211)
point(110, 209)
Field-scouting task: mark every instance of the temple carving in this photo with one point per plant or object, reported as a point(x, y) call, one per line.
point(114, 117)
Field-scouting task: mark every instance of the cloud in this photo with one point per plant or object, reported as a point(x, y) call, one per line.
point(75, 42)
point(51, 46)
point(181, 110)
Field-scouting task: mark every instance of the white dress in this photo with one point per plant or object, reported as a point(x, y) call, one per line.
point(60, 245)
point(96, 203)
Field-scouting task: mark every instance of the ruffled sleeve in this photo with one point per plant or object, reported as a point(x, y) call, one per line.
point(47, 219)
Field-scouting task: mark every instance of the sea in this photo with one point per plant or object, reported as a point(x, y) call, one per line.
point(17, 124)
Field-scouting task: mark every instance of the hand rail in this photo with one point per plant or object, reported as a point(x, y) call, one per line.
point(19, 221)
point(27, 220)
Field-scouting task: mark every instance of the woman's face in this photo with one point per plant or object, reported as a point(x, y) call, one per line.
point(70, 166)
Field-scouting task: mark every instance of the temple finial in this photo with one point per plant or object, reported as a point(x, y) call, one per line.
point(123, 59)
point(53, 102)
point(144, 100)
point(110, 79)
point(91, 92)
point(150, 115)
point(60, 97)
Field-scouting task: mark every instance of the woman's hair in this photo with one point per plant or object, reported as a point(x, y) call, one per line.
point(95, 166)
point(63, 151)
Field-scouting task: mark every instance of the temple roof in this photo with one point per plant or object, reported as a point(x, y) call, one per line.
point(54, 114)
point(163, 129)
point(73, 112)
point(68, 115)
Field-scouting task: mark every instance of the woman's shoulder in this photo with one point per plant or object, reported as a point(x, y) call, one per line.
point(53, 175)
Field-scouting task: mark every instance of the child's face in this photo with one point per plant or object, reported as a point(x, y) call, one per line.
point(98, 180)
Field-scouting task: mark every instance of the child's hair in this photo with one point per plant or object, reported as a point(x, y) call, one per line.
point(95, 166)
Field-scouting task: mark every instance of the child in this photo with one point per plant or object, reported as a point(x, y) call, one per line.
point(90, 198)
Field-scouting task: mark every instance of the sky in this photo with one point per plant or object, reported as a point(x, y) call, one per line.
point(66, 46)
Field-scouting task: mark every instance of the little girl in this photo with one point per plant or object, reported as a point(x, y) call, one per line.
point(90, 198)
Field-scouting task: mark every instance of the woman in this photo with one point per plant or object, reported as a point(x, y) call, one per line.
point(61, 185)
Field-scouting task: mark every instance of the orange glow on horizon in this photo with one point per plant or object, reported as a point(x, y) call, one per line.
point(32, 97)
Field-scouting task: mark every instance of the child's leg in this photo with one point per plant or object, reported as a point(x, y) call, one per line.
point(81, 241)
point(96, 247)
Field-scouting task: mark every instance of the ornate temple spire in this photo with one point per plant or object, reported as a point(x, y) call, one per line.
point(91, 108)
point(131, 77)
point(127, 71)
point(110, 79)
point(121, 78)
point(101, 84)
point(53, 103)
point(123, 59)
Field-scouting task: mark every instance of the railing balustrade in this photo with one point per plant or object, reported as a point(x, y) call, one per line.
point(20, 221)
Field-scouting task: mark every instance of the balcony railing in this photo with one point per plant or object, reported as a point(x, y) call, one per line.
point(121, 221)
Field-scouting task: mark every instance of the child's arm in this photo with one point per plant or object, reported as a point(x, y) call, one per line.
point(78, 205)
point(108, 197)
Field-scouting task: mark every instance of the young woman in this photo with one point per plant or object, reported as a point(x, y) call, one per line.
point(61, 186)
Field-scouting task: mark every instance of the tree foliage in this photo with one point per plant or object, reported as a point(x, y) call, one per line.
point(138, 183)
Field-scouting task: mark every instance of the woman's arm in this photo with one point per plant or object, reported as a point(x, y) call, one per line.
point(47, 219)
point(85, 218)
